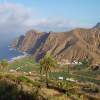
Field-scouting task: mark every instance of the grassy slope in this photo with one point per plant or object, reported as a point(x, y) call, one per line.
point(26, 64)
point(24, 86)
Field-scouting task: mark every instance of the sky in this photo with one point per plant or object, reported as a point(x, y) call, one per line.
point(19, 16)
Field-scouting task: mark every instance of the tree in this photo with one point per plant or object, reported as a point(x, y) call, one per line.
point(46, 63)
point(4, 63)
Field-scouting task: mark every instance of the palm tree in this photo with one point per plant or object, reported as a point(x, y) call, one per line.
point(46, 63)
point(4, 63)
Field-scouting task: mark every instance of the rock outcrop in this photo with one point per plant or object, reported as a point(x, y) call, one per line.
point(73, 45)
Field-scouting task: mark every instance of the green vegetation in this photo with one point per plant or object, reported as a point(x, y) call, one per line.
point(81, 76)
point(4, 64)
point(85, 63)
point(18, 90)
point(26, 64)
point(92, 88)
point(55, 75)
point(23, 85)
point(46, 64)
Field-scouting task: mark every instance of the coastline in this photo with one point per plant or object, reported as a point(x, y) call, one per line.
point(18, 57)
point(23, 55)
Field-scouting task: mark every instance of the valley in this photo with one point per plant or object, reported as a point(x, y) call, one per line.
point(64, 82)
point(75, 55)
point(49, 49)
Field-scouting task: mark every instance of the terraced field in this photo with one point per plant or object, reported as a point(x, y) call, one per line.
point(82, 84)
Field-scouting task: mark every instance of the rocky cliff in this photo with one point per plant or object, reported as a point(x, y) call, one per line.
point(73, 45)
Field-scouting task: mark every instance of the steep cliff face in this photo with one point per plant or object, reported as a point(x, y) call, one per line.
point(31, 42)
point(18, 42)
point(73, 45)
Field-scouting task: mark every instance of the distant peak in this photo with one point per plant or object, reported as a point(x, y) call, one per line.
point(97, 25)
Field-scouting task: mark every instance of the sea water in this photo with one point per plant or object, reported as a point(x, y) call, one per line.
point(6, 52)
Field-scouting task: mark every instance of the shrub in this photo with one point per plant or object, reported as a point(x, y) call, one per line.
point(9, 90)
point(91, 89)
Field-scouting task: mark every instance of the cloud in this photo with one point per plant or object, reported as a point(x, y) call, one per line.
point(13, 18)
point(52, 24)
point(17, 19)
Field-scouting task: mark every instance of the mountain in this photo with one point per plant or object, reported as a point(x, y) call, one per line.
point(97, 25)
point(73, 45)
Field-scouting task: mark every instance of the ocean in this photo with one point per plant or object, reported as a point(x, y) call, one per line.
point(6, 52)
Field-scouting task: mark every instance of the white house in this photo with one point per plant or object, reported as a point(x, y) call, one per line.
point(60, 78)
point(12, 70)
point(71, 79)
